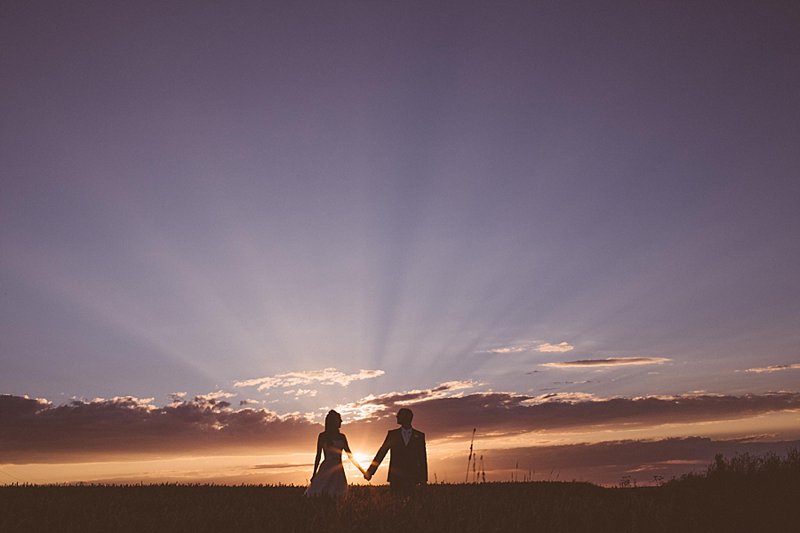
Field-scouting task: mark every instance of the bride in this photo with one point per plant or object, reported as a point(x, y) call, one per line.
point(329, 479)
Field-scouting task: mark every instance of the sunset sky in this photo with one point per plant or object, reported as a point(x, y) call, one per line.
point(573, 226)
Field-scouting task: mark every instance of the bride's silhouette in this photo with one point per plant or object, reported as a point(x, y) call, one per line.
point(329, 479)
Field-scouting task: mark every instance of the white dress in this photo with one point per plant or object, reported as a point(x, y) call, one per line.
point(330, 479)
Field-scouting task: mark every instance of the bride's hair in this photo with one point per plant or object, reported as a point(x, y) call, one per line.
point(333, 421)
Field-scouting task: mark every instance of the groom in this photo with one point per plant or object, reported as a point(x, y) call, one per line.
point(408, 464)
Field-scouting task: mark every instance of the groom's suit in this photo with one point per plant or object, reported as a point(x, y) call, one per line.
point(408, 464)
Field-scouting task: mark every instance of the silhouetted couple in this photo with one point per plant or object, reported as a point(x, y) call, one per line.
point(408, 461)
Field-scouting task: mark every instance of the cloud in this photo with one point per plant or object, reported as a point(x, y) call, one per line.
point(611, 361)
point(301, 392)
point(381, 405)
point(249, 401)
point(514, 348)
point(774, 368)
point(557, 348)
point(121, 427)
point(177, 396)
point(326, 376)
point(37, 431)
point(213, 396)
point(444, 414)
point(127, 402)
point(21, 405)
point(544, 347)
point(568, 397)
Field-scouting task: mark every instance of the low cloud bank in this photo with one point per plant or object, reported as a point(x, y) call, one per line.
point(442, 413)
point(35, 430)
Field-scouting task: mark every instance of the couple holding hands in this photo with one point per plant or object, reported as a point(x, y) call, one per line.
point(408, 464)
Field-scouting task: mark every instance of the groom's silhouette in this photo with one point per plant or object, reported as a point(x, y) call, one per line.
point(408, 464)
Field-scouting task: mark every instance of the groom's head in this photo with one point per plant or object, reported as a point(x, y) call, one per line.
point(404, 417)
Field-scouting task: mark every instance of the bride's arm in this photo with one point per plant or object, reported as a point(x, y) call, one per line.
point(350, 456)
point(353, 460)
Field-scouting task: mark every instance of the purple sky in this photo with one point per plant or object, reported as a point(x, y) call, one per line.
point(194, 195)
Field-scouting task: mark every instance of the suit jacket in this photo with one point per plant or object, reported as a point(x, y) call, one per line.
point(408, 462)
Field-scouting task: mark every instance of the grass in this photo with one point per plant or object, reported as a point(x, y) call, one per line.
point(745, 493)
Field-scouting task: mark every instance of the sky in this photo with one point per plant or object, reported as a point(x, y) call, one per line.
point(571, 226)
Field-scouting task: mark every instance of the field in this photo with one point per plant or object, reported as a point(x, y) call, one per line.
point(743, 497)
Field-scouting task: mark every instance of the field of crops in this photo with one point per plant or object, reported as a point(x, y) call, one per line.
point(692, 505)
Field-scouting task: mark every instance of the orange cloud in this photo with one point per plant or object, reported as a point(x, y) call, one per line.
point(554, 348)
point(326, 376)
point(774, 368)
point(544, 347)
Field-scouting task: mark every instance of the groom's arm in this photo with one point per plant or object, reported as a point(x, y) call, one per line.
point(379, 456)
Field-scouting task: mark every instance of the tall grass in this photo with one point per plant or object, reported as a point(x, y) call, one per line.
point(770, 468)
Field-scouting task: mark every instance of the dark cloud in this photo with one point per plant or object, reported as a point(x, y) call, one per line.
point(37, 431)
point(774, 368)
point(611, 361)
point(508, 413)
